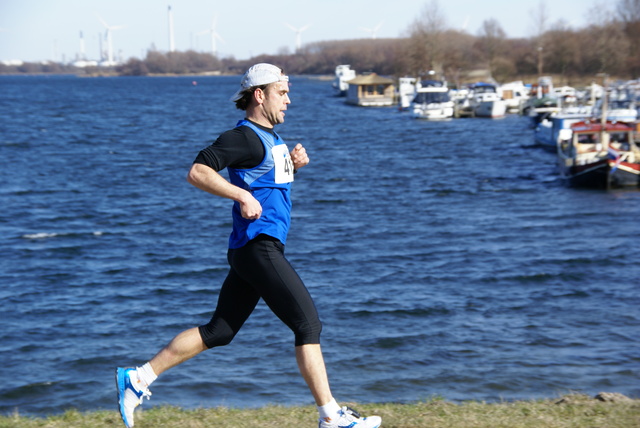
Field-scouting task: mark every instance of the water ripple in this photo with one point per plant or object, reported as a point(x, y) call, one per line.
point(445, 258)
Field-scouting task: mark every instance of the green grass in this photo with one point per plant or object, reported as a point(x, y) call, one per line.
point(571, 411)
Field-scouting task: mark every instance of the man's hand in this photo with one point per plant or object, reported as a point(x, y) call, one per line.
point(205, 178)
point(299, 156)
point(250, 207)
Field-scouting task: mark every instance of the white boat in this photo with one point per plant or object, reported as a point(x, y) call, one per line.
point(555, 128)
point(620, 108)
point(515, 95)
point(462, 102)
point(407, 87)
point(432, 101)
point(344, 73)
point(593, 93)
point(542, 101)
point(487, 102)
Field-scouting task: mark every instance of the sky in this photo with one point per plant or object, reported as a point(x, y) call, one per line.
point(41, 30)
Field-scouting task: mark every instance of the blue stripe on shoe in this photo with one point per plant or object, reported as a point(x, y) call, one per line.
point(123, 382)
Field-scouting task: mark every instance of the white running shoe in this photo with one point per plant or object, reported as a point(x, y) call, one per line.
point(130, 393)
point(349, 418)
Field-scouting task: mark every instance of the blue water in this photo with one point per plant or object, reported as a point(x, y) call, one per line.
point(445, 258)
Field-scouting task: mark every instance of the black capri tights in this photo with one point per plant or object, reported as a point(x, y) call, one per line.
point(260, 270)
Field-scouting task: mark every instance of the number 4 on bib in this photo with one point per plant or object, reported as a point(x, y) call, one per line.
point(283, 164)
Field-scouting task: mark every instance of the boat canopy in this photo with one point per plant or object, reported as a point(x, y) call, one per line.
point(580, 127)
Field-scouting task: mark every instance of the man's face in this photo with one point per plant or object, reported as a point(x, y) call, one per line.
point(276, 99)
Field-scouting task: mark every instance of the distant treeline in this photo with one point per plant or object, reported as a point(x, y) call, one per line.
point(610, 44)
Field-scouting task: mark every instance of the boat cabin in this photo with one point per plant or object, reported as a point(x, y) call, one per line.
point(594, 137)
point(371, 90)
point(432, 91)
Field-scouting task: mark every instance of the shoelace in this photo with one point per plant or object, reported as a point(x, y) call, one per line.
point(349, 413)
point(145, 393)
point(140, 394)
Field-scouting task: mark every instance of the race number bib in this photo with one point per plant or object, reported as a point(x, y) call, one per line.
point(283, 164)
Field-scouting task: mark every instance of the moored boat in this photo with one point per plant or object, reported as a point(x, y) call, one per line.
point(556, 127)
point(370, 90)
point(461, 102)
point(618, 110)
point(407, 87)
point(344, 73)
point(432, 101)
point(515, 95)
point(486, 102)
point(600, 155)
point(542, 101)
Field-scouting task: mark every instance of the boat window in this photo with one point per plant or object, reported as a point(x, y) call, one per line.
point(588, 139)
point(619, 141)
point(618, 104)
point(619, 136)
point(484, 89)
point(431, 97)
point(432, 83)
point(374, 89)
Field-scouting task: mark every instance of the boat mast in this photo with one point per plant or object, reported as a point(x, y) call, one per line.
point(604, 138)
point(604, 100)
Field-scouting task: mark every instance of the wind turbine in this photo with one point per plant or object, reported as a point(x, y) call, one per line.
point(298, 31)
point(172, 44)
point(109, 29)
point(373, 31)
point(465, 24)
point(214, 35)
point(82, 55)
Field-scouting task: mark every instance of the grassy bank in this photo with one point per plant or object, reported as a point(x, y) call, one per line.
point(571, 411)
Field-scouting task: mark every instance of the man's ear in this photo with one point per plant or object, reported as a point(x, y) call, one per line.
point(259, 95)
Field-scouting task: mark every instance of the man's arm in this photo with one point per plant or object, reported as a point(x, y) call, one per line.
point(207, 179)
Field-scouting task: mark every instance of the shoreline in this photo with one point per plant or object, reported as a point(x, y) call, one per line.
point(610, 410)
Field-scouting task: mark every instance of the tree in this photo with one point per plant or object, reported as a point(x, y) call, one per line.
point(540, 19)
point(563, 55)
point(133, 67)
point(459, 47)
point(629, 12)
point(490, 44)
point(426, 39)
point(608, 45)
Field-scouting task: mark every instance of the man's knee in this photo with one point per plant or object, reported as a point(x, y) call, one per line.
point(214, 336)
point(309, 334)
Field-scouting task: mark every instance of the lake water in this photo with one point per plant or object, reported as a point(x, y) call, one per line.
point(446, 258)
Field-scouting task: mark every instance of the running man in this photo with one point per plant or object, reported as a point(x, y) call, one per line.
point(261, 170)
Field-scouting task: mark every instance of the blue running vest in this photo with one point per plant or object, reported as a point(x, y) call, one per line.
point(270, 184)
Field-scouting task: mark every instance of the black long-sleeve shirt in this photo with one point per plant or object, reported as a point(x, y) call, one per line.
point(239, 147)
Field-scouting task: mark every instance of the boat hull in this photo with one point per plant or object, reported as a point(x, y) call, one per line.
point(604, 174)
point(434, 112)
point(492, 109)
point(624, 174)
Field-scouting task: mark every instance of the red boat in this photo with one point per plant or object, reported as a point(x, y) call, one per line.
point(600, 155)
